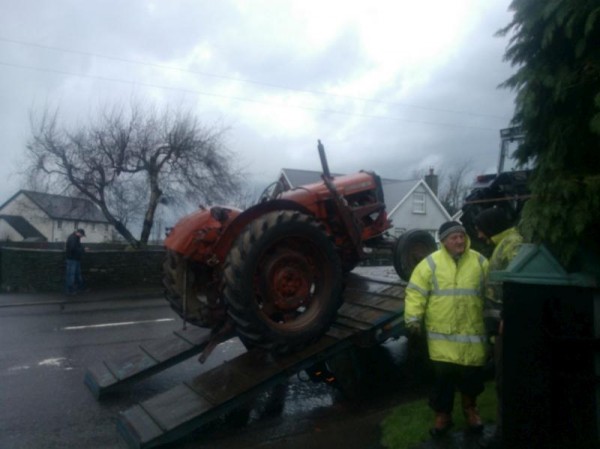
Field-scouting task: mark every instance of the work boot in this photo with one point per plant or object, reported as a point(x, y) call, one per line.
point(443, 422)
point(493, 441)
point(471, 413)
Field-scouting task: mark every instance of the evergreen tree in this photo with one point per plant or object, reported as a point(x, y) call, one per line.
point(555, 46)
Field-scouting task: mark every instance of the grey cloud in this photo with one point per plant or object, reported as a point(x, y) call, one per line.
point(393, 136)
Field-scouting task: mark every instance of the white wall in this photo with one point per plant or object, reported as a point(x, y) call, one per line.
point(55, 230)
point(405, 217)
point(94, 232)
point(7, 233)
point(23, 206)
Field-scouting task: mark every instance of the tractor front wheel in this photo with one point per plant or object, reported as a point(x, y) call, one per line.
point(410, 248)
point(283, 282)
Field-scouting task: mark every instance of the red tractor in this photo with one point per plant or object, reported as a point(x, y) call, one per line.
point(274, 273)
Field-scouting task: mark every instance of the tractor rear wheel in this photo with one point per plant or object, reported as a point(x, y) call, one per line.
point(174, 268)
point(283, 282)
point(410, 248)
point(186, 291)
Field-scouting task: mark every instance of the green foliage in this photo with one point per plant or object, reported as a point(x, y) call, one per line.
point(408, 424)
point(564, 227)
point(555, 47)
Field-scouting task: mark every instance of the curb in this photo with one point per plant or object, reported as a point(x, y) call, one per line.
point(100, 298)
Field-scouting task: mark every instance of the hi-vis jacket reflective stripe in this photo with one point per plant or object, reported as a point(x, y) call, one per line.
point(448, 297)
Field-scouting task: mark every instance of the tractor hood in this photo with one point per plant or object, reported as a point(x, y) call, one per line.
point(195, 235)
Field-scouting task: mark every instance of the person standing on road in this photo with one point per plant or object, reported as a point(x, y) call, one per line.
point(495, 228)
point(444, 300)
point(74, 253)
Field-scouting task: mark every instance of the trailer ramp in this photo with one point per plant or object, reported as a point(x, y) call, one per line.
point(145, 360)
point(372, 312)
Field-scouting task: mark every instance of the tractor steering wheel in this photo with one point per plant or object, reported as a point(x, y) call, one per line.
point(271, 192)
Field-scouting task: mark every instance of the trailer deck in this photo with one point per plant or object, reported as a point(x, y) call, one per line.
point(372, 312)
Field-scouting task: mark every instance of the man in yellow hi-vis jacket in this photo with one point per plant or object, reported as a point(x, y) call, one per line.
point(444, 300)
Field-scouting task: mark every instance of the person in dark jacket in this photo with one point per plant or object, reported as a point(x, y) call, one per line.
point(74, 253)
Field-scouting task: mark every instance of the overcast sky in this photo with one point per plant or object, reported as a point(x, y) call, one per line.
point(393, 86)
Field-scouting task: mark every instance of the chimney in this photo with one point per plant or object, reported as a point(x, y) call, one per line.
point(432, 181)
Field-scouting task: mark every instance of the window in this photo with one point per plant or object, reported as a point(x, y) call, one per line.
point(418, 203)
point(59, 224)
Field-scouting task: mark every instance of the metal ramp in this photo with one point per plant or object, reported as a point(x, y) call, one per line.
point(187, 407)
point(146, 360)
point(372, 312)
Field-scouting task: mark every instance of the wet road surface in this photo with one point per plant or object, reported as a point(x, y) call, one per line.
point(48, 346)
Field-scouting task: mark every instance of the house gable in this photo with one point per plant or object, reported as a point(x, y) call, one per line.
point(15, 228)
point(418, 209)
point(396, 191)
point(21, 205)
point(57, 216)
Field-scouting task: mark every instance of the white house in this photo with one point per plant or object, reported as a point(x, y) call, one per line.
point(29, 215)
point(15, 228)
point(410, 204)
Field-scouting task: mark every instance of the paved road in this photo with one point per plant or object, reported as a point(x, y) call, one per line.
point(47, 345)
point(46, 349)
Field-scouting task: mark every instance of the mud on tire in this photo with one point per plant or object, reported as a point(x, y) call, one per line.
point(282, 282)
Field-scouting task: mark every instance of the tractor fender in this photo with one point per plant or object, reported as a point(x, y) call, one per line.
point(234, 229)
point(207, 235)
point(196, 234)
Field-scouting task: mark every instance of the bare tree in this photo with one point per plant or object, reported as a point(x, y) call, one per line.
point(454, 186)
point(129, 159)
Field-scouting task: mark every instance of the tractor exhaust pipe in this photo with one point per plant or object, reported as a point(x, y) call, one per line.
point(342, 207)
point(326, 172)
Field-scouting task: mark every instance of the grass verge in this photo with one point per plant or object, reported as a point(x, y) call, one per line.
point(408, 424)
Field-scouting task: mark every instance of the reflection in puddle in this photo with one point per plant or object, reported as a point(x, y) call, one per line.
point(367, 369)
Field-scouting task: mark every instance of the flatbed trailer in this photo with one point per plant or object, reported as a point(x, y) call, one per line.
point(372, 312)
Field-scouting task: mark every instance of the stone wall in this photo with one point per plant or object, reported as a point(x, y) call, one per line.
point(40, 267)
point(26, 269)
